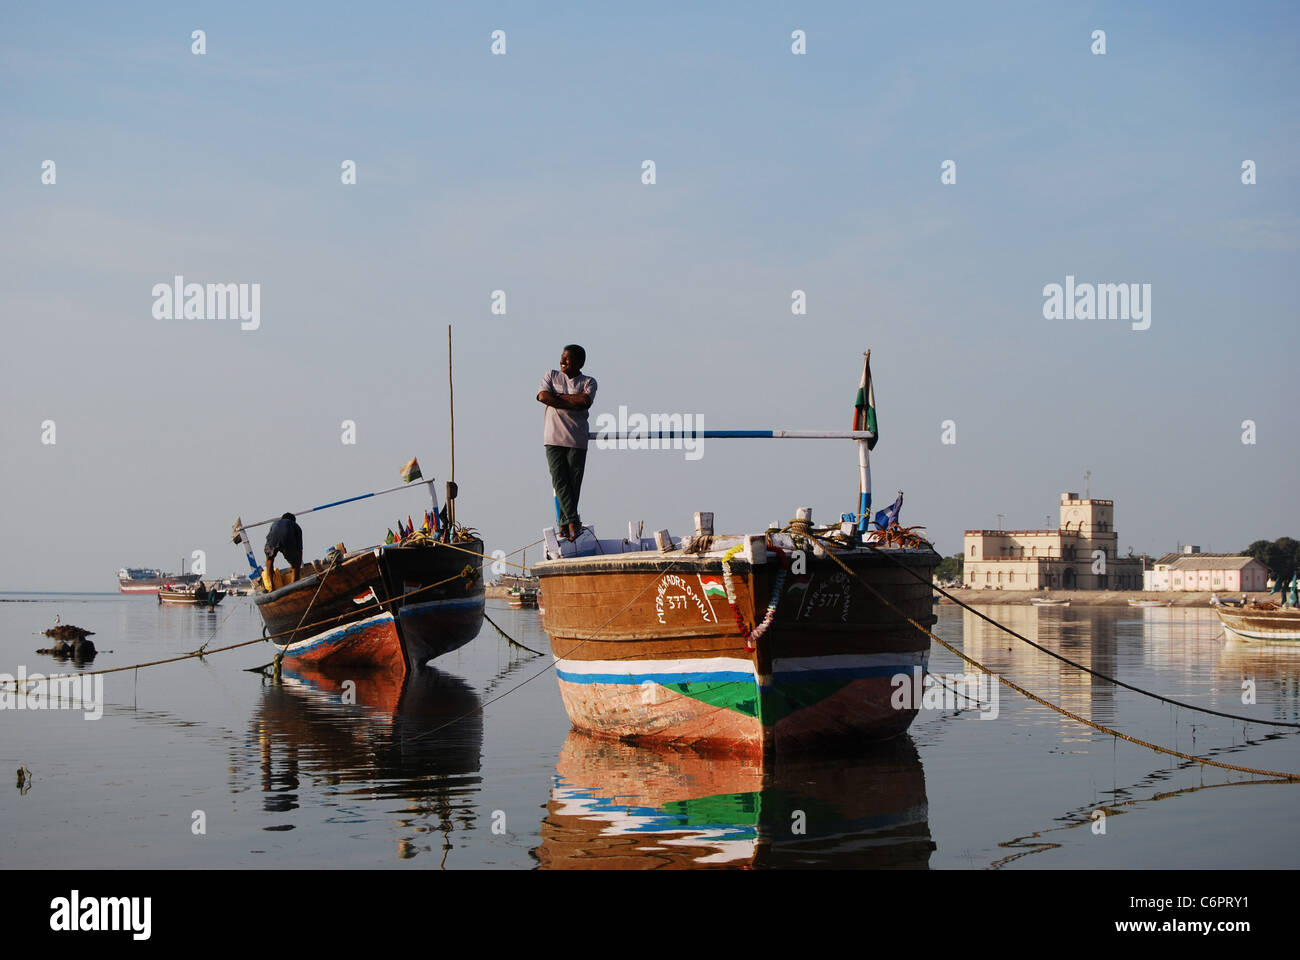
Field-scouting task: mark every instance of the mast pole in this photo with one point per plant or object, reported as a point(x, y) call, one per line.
point(451, 412)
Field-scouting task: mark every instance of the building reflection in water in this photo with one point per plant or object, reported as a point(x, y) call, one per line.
point(1090, 636)
point(618, 805)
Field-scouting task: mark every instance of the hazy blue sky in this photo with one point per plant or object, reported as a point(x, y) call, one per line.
point(522, 172)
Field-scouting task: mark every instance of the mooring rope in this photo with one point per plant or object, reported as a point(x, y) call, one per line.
point(550, 666)
point(511, 640)
point(1064, 659)
point(201, 652)
point(1037, 699)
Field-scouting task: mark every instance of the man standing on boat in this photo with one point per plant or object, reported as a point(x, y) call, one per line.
point(568, 394)
point(285, 536)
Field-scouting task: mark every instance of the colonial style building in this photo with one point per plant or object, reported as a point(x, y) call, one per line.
point(1204, 572)
point(1081, 554)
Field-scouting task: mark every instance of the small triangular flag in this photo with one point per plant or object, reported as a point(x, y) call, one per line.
point(411, 470)
point(390, 538)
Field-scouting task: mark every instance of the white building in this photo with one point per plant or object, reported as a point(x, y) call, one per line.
point(1081, 554)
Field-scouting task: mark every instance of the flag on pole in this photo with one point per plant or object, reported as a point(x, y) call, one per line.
point(864, 418)
point(889, 516)
point(411, 470)
point(864, 407)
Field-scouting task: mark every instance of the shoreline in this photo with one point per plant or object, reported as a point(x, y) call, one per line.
point(1092, 598)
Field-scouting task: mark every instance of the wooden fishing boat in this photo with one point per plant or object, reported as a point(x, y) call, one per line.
point(782, 642)
point(648, 645)
point(1150, 603)
point(1261, 623)
point(388, 607)
point(195, 594)
point(1048, 602)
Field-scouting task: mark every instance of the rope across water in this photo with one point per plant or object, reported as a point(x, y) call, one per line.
point(1031, 696)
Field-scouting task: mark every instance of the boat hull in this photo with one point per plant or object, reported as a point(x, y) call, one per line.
point(647, 647)
point(187, 598)
point(152, 584)
point(386, 609)
point(1261, 626)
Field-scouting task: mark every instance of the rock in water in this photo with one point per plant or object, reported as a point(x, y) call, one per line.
point(66, 631)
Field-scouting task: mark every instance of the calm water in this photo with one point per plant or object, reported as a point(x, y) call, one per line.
point(473, 765)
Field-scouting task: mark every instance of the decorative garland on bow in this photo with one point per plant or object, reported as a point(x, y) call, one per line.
point(753, 634)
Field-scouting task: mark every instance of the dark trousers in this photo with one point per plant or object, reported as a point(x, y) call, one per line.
point(567, 464)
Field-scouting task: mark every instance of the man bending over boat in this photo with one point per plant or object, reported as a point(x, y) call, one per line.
point(285, 536)
point(568, 394)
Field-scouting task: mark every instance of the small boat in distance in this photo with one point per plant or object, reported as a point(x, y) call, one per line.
point(1048, 602)
point(522, 596)
point(196, 594)
point(1261, 622)
point(149, 579)
point(1150, 603)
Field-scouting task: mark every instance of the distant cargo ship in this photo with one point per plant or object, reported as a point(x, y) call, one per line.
point(148, 579)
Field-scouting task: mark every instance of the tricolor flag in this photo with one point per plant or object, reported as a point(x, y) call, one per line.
point(411, 470)
point(366, 597)
point(713, 587)
point(864, 418)
point(864, 407)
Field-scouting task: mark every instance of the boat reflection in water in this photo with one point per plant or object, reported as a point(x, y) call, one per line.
point(618, 805)
point(1264, 665)
point(416, 737)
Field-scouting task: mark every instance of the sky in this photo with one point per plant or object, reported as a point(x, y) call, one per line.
point(522, 172)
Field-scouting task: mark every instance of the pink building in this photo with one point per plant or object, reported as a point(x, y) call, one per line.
point(1207, 572)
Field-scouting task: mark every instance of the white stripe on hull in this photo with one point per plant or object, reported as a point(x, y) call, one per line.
point(710, 665)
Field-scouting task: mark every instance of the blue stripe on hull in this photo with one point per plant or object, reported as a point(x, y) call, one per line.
point(784, 676)
point(331, 636)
